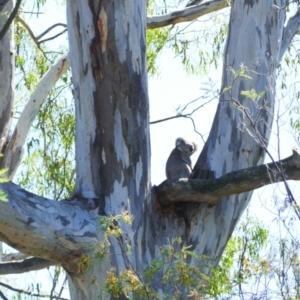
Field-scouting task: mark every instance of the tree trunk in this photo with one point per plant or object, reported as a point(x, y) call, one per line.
point(7, 77)
point(254, 41)
point(107, 53)
point(7, 80)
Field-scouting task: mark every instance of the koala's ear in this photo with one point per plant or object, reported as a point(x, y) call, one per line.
point(178, 142)
point(195, 147)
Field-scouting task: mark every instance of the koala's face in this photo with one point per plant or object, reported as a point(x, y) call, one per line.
point(185, 146)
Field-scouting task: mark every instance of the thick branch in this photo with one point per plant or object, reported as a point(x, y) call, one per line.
point(13, 152)
point(29, 264)
point(60, 231)
point(212, 190)
point(186, 14)
point(290, 30)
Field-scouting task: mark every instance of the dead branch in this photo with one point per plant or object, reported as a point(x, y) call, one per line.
point(26, 265)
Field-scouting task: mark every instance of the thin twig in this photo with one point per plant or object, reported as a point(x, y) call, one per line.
point(28, 29)
point(169, 118)
point(62, 287)
point(28, 293)
point(179, 113)
point(194, 125)
point(35, 40)
point(53, 37)
point(50, 28)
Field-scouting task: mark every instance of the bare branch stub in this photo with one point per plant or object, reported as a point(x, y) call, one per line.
point(26, 265)
point(212, 190)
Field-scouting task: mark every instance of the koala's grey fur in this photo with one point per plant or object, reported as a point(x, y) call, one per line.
point(179, 164)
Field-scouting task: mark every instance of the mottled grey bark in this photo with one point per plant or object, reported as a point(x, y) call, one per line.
point(254, 43)
point(112, 117)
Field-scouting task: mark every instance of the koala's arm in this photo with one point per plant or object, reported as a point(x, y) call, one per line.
point(178, 171)
point(186, 159)
point(177, 167)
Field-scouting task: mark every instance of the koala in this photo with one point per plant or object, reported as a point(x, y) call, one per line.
point(179, 164)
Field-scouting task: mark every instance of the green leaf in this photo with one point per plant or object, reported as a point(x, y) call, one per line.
point(3, 196)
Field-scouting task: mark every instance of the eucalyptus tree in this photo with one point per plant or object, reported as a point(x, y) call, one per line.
point(112, 236)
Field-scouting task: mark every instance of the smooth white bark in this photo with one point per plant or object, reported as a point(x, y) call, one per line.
point(14, 149)
point(81, 33)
